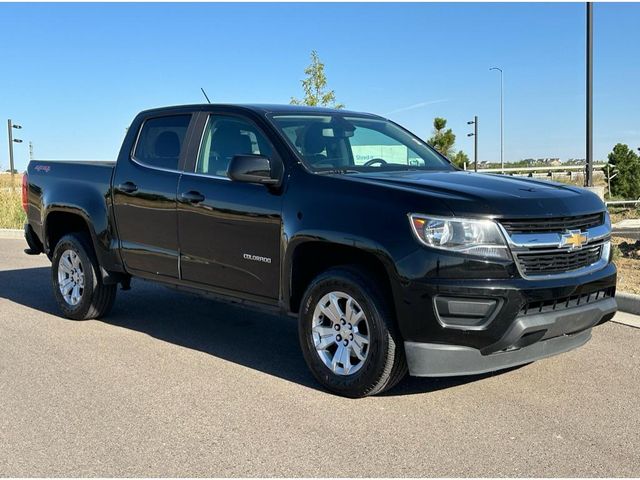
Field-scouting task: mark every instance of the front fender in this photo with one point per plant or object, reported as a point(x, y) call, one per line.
point(328, 238)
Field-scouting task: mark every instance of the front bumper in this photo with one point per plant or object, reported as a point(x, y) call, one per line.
point(420, 322)
point(529, 338)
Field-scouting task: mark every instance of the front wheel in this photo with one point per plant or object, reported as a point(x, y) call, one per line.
point(348, 335)
point(77, 285)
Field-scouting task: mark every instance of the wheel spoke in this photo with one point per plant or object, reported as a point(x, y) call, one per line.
point(332, 311)
point(357, 351)
point(323, 337)
point(67, 266)
point(360, 339)
point(75, 296)
point(353, 314)
point(64, 284)
point(349, 310)
point(345, 359)
point(337, 357)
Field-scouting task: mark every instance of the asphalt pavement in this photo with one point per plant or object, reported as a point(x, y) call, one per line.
point(171, 384)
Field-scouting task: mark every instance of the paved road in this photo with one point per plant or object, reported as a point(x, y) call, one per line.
point(176, 385)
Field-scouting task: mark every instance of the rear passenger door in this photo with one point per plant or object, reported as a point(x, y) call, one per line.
point(144, 195)
point(229, 231)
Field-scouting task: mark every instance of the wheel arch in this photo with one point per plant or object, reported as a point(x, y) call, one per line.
point(61, 221)
point(307, 258)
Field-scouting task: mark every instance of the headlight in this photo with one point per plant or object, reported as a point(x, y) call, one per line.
point(480, 238)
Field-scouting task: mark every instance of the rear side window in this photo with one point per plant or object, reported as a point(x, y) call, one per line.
point(161, 140)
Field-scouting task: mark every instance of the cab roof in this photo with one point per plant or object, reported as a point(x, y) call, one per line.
point(260, 109)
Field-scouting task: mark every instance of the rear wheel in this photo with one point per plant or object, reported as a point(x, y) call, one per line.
point(348, 335)
point(77, 285)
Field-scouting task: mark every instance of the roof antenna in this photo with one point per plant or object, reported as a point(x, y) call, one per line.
point(205, 95)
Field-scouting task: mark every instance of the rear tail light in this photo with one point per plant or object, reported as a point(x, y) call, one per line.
point(25, 192)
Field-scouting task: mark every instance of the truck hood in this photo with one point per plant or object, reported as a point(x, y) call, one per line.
point(476, 194)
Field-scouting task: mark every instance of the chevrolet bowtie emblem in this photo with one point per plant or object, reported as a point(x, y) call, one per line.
point(573, 239)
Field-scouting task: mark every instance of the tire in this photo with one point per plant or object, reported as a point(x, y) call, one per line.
point(384, 363)
point(93, 299)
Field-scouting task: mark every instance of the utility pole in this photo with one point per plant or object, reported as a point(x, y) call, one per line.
point(30, 151)
point(501, 117)
point(10, 130)
point(588, 178)
point(474, 122)
point(10, 127)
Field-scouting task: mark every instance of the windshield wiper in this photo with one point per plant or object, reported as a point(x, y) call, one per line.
point(337, 171)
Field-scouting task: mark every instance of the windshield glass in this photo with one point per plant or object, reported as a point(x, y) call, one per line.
point(354, 143)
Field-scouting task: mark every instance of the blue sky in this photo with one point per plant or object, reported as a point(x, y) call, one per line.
point(74, 75)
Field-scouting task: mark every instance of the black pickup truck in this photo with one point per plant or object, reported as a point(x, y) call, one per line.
point(392, 259)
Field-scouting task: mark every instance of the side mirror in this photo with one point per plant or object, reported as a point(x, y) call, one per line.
point(251, 169)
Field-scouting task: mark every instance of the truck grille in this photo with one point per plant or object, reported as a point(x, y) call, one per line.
point(537, 244)
point(547, 262)
point(548, 225)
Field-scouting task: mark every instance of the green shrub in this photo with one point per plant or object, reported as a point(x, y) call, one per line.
point(626, 183)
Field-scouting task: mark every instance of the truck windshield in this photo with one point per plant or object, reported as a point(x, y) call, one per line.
point(356, 144)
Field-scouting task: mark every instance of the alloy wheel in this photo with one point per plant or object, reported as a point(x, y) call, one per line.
point(340, 333)
point(71, 277)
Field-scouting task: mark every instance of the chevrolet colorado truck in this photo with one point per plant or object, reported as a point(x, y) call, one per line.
point(392, 259)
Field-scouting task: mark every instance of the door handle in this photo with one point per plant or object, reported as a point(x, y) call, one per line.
point(128, 187)
point(192, 197)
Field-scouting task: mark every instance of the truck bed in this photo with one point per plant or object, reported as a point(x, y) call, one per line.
point(53, 183)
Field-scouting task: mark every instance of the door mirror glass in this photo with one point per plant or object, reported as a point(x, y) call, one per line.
point(251, 169)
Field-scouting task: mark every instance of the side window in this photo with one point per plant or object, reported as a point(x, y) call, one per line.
point(225, 137)
point(160, 141)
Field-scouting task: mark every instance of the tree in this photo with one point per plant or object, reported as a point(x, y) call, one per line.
point(626, 165)
point(460, 159)
point(442, 140)
point(314, 86)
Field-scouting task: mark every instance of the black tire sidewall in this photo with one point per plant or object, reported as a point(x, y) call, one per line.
point(75, 243)
point(367, 377)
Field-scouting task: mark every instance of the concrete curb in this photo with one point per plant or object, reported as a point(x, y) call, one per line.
point(11, 233)
point(628, 302)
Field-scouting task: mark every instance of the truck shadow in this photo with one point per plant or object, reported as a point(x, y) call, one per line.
point(261, 341)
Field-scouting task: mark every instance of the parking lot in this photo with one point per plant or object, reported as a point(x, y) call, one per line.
point(176, 385)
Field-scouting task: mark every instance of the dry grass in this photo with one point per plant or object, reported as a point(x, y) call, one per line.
point(11, 213)
point(623, 213)
point(627, 259)
point(628, 275)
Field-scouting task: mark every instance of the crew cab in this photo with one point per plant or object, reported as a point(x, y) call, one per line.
point(392, 259)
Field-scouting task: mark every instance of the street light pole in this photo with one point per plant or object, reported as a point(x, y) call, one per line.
point(474, 122)
point(10, 131)
point(10, 127)
point(501, 117)
point(588, 178)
